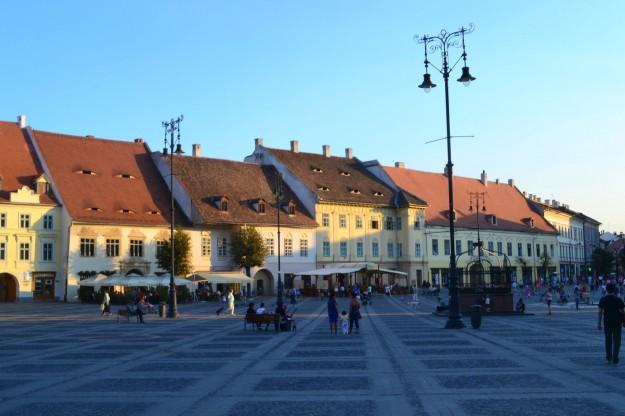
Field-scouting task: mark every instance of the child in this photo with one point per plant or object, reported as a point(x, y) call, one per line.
point(344, 323)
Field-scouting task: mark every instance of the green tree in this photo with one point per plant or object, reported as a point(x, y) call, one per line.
point(182, 253)
point(602, 261)
point(545, 262)
point(247, 248)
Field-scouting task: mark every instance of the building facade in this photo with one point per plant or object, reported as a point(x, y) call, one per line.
point(30, 222)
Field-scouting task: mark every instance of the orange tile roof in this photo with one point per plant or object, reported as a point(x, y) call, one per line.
point(337, 179)
point(501, 200)
point(18, 163)
point(145, 195)
point(244, 184)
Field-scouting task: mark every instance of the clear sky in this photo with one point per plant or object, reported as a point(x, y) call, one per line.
point(546, 108)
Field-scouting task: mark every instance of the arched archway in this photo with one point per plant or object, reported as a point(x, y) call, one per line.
point(263, 283)
point(8, 288)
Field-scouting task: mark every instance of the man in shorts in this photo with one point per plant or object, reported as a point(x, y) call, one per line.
point(611, 313)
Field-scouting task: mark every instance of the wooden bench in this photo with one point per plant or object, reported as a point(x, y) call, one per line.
point(257, 320)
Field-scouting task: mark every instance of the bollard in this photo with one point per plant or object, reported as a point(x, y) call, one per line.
point(161, 309)
point(476, 316)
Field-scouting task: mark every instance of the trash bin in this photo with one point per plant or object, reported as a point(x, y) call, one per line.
point(476, 316)
point(161, 309)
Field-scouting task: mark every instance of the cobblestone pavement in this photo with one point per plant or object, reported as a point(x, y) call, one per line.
point(58, 359)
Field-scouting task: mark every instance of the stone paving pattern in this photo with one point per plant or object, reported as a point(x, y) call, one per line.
point(58, 359)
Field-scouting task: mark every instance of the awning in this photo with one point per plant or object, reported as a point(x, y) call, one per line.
point(223, 277)
point(390, 271)
point(349, 268)
point(132, 281)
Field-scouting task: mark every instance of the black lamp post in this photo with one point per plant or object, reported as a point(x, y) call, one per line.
point(171, 127)
point(279, 194)
point(443, 42)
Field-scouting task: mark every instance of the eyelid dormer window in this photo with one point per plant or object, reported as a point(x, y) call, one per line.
point(316, 170)
point(125, 176)
point(376, 193)
point(323, 188)
point(345, 173)
point(85, 172)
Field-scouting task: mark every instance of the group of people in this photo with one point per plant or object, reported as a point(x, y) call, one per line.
point(280, 311)
point(349, 320)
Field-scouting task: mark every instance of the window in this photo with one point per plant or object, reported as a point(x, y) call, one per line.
point(303, 247)
point(160, 246)
point(398, 223)
point(112, 247)
point(3, 251)
point(291, 208)
point(46, 253)
point(261, 207)
point(47, 222)
point(509, 249)
point(389, 250)
point(326, 249)
point(458, 247)
point(375, 224)
point(529, 250)
point(269, 244)
point(360, 249)
point(87, 247)
point(470, 247)
point(3, 220)
point(25, 251)
point(206, 246)
point(223, 204)
point(519, 249)
point(358, 221)
point(325, 220)
point(538, 250)
point(389, 223)
point(417, 224)
point(499, 247)
point(136, 248)
point(551, 249)
point(493, 219)
point(400, 250)
point(343, 248)
point(435, 247)
point(375, 249)
point(288, 247)
point(545, 248)
point(447, 247)
point(342, 221)
point(222, 247)
point(491, 246)
point(24, 220)
point(417, 249)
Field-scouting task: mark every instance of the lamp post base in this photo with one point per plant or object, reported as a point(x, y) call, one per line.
point(454, 322)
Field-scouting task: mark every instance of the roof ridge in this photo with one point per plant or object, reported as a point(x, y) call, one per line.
point(87, 137)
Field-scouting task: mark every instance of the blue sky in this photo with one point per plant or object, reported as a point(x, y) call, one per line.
point(546, 109)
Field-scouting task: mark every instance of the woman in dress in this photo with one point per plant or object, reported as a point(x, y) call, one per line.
point(354, 314)
point(333, 313)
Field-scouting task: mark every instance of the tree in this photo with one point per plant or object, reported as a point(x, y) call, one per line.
point(247, 248)
point(182, 253)
point(545, 262)
point(602, 261)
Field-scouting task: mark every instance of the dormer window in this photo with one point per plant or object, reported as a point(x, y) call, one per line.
point(345, 173)
point(377, 193)
point(453, 215)
point(323, 188)
point(153, 212)
point(354, 191)
point(85, 172)
point(291, 208)
point(261, 206)
point(529, 221)
point(126, 211)
point(492, 219)
point(316, 170)
point(93, 209)
point(223, 204)
point(125, 176)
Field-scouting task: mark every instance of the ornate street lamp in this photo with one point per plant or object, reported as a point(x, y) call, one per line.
point(171, 127)
point(279, 195)
point(443, 42)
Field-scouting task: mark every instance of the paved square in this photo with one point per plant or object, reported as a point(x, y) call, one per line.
point(58, 359)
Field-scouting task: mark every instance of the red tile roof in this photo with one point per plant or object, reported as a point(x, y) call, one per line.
point(337, 179)
point(144, 194)
point(501, 200)
point(243, 184)
point(18, 163)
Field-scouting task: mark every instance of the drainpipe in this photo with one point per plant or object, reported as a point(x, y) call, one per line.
point(69, 227)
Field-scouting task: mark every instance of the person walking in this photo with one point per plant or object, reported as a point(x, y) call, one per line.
point(106, 303)
point(548, 299)
point(333, 314)
point(354, 314)
point(611, 313)
point(231, 302)
point(577, 295)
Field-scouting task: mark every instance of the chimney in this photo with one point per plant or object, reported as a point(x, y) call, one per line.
point(497, 181)
point(539, 199)
point(525, 194)
point(196, 150)
point(555, 204)
point(258, 142)
point(138, 140)
point(21, 121)
point(548, 202)
point(400, 165)
point(326, 150)
point(484, 178)
point(349, 153)
point(511, 182)
point(89, 136)
point(295, 146)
